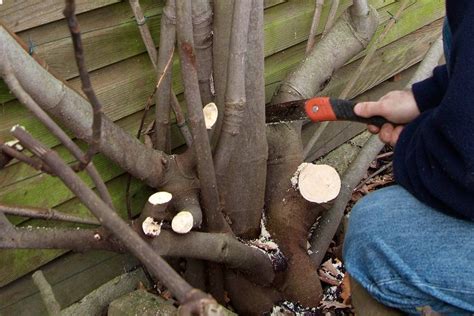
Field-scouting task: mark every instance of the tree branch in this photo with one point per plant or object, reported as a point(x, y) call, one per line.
point(72, 110)
point(220, 248)
point(331, 17)
point(202, 35)
point(69, 13)
point(109, 219)
point(314, 24)
point(47, 294)
point(45, 213)
point(55, 129)
point(210, 196)
point(164, 91)
point(31, 161)
point(235, 98)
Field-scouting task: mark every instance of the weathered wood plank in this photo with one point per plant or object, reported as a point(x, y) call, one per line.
point(16, 263)
point(271, 3)
point(285, 25)
point(22, 15)
point(72, 277)
point(98, 19)
point(278, 65)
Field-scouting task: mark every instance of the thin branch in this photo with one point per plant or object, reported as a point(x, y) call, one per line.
point(164, 90)
point(45, 213)
point(331, 17)
point(181, 120)
point(31, 161)
point(220, 248)
point(71, 109)
point(372, 49)
point(368, 57)
point(15, 86)
point(47, 294)
point(69, 13)
point(144, 30)
point(110, 220)
point(385, 167)
point(140, 128)
point(206, 172)
point(329, 222)
point(4, 157)
point(314, 24)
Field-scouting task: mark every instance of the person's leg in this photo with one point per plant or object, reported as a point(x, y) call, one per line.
point(408, 255)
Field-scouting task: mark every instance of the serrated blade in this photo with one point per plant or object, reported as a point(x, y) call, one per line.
point(286, 112)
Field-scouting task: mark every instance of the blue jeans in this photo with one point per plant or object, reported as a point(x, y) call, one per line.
point(408, 255)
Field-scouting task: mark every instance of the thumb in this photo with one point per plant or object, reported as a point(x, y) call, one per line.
point(367, 109)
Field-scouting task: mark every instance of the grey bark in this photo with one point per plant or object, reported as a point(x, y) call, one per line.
point(72, 110)
point(209, 194)
point(47, 294)
point(246, 172)
point(132, 241)
point(202, 34)
point(163, 93)
point(6, 72)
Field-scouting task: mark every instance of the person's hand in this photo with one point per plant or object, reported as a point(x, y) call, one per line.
point(396, 106)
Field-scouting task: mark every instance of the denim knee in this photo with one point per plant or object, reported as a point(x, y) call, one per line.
point(401, 251)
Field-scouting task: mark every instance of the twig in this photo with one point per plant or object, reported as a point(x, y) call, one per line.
point(15, 86)
point(385, 155)
point(46, 292)
point(181, 120)
point(372, 49)
point(205, 168)
point(110, 220)
point(4, 157)
point(144, 30)
point(31, 161)
point(45, 213)
point(382, 169)
point(314, 25)
point(140, 128)
point(347, 89)
point(69, 13)
point(331, 17)
point(74, 111)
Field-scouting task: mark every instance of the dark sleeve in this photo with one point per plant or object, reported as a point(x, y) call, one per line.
point(434, 157)
point(429, 92)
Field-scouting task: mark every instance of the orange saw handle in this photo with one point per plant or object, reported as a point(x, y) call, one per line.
point(321, 109)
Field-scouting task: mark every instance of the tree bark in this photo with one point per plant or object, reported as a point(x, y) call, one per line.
point(289, 215)
point(72, 110)
point(246, 172)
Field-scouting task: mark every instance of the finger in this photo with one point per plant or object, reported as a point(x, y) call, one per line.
point(367, 109)
point(386, 133)
point(373, 129)
point(396, 134)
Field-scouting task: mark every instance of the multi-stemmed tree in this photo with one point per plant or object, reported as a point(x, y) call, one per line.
point(228, 177)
